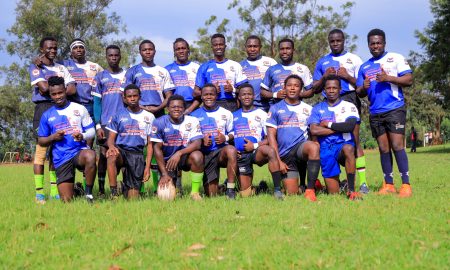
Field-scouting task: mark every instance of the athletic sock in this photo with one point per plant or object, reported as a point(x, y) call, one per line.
point(386, 165)
point(53, 186)
point(361, 169)
point(155, 174)
point(276, 178)
point(101, 184)
point(313, 167)
point(39, 183)
point(402, 164)
point(88, 189)
point(197, 180)
point(351, 182)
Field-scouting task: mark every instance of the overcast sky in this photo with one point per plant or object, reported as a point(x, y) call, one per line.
point(163, 21)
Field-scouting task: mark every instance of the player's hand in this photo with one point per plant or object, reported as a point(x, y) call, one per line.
point(283, 167)
point(329, 71)
point(112, 151)
point(217, 87)
point(164, 180)
point(77, 136)
point(366, 83)
point(147, 173)
point(324, 124)
point(58, 135)
point(100, 134)
point(152, 109)
point(248, 146)
point(207, 141)
point(342, 73)
point(38, 60)
point(172, 163)
point(382, 76)
point(228, 87)
point(281, 94)
point(220, 138)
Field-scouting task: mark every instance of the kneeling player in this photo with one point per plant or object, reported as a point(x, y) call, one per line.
point(129, 133)
point(62, 127)
point(333, 122)
point(287, 134)
point(249, 130)
point(216, 124)
point(178, 140)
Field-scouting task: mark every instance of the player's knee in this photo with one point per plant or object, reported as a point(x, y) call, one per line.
point(196, 159)
point(231, 153)
point(40, 155)
point(90, 157)
point(271, 154)
point(313, 150)
point(349, 150)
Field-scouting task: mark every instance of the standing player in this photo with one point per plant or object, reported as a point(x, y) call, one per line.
point(224, 73)
point(381, 78)
point(216, 124)
point(288, 135)
point(249, 130)
point(272, 87)
point(153, 80)
point(107, 102)
point(129, 133)
point(40, 72)
point(333, 122)
point(254, 68)
point(178, 140)
point(66, 127)
point(345, 65)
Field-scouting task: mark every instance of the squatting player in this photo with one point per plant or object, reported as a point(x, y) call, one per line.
point(177, 142)
point(66, 127)
point(287, 129)
point(381, 78)
point(333, 122)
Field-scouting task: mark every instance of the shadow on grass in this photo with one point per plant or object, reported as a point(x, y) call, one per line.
point(441, 149)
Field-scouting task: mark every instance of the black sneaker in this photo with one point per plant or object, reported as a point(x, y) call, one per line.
point(262, 187)
point(231, 194)
point(78, 190)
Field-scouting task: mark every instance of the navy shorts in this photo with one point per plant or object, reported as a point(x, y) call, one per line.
point(392, 121)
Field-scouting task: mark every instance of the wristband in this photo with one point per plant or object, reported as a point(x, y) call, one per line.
point(227, 138)
point(329, 125)
point(98, 126)
point(255, 145)
point(275, 95)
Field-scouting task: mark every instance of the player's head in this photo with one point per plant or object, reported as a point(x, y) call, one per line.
point(336, 40)
point(218, 45)
point(376, 39)
point(246, 95)
point(176, 106)
point(132, 95)
point(253, 47)
point(113, 56)
point(209, 95)
point(332, 86)
point(286, 49)
point(181, 50)
point(48, 46)
point(147, 50)
point(78, 49)
point(293, 85)
point(57, 90)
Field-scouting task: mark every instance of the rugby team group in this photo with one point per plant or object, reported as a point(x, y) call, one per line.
point(155, 122)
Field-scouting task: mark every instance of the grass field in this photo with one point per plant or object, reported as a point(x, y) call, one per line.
point(255, 233)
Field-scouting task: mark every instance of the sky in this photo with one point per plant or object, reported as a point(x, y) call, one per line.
point(163, 21)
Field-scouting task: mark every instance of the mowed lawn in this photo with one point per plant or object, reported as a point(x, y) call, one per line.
point(254, 233)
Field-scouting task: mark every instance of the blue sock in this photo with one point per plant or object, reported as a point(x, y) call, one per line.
point(88, 190)
point(386, 165)
point(402, 164)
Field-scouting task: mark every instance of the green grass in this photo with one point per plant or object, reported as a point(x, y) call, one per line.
point(255, 233)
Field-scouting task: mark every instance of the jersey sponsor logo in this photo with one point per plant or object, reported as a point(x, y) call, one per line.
point(123, 119)
point(399, 126)
point(201, 119)
point(321, 111)
point(266, 63)
point(232, 69)
point(61, 68)
point(161, 74)
point(366, 66)
point(305, 111)
point(353, 109)
point(188, 127)
point(166, 129)
point(51, 119)
point(299, 69)
point(138, 75)
point(325, 63)
point(349, 61)
point(269, 114)
point(277, 71)
point(236, 118)
point(70, 68)
point(194, 70)
point(35, 72)
point(281, 111)
point(154, 130)
point(209, 70)
point(76, 112)
point(173, 70)
point(343, 110)
point(93, 67)
point(390, 60)
point(223, 116)
point(146, 119)
point(104, 80)
point(257, 119)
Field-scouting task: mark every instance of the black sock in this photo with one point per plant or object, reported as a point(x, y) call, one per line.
point(88, 189)
point(113, 190)
point(351, 182)
point(313, 168)
point(276, 178)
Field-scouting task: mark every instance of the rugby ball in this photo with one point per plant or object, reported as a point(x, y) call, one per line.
point(167, 192)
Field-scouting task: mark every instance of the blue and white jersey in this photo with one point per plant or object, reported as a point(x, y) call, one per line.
point(250, 125)
point(71, 118)
point(108, 88)
point(212, 122)
point(275, 76)
point(84, 75)
point(291, 122)
point(38, 74)
point(221, 72)
point(384, 96)
point(132, 129)
point(338, 113)
point(175, 136)
point(255, 71)
point(351, 62)
point(153, 82)
point(183, 77)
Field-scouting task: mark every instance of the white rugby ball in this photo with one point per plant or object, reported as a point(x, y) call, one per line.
point(167, 192)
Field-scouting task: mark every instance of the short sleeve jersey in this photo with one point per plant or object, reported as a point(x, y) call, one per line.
point(132, 129)
point(291, 122)
point(212, 122)
point(384, 96)
point(43, 74)
point(108, 88)
point(175, 137)
point(338, 113)
point(255, 71)
point(183, 77)
point(152, 81)
point(249, 125)
point(221, 72)
point(84, 75)
point(71, 118)
point(351, 62)
point(275, 76)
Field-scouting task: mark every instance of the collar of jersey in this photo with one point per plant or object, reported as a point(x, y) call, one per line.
point(217, 108)
point(134, 112)
point(340, 100)
point(379, 57)
point(254, 109)
point(62, 108)
point(300, 102)
point(188, 62)
point(257, 58)
point(339, 54)
point(170, 120)
point(288, 65)
point(224, 60)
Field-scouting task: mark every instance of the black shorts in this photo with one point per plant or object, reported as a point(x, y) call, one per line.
point(182, 166)
point(102, 142)
point(352, 98)
point(229, 104)
point(212, 168)
point(392, 121)
point(295, 163)
point(245, 163)
point(39, 110)
point(134, 165)
point(66, 172)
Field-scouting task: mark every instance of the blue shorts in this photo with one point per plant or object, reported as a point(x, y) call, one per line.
point(330, 157)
